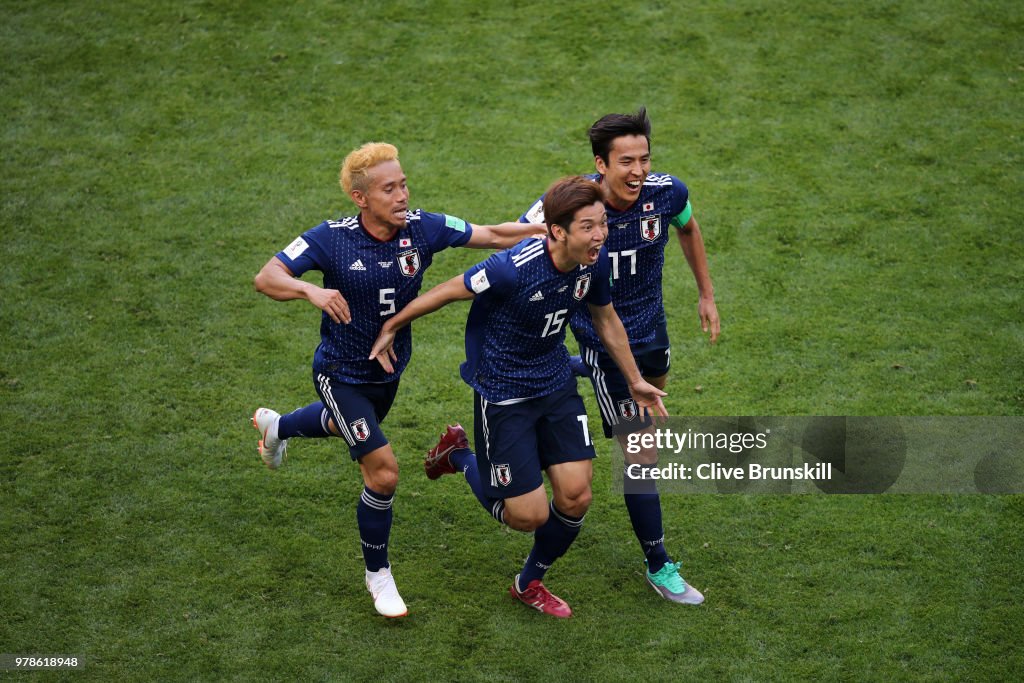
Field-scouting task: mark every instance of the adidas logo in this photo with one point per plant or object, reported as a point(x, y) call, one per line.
point(537, 297)
point(358, 265)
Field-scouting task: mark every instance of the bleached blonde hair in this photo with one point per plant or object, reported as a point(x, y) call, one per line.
point(355, 170)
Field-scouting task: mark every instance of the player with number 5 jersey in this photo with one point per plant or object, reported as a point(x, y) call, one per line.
point(372, 266)
point(528, 416)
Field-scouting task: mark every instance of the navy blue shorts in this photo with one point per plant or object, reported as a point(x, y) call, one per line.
point(618, 409)
point(358, 410)
point(515, 442)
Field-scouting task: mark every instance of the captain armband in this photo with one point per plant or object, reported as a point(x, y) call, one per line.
point(683, 218)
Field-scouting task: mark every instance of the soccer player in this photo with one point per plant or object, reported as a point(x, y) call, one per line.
point(377, 258)
point(641, 208)
point(528, 414)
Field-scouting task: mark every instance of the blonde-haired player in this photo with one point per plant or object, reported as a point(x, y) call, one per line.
point(372, 265)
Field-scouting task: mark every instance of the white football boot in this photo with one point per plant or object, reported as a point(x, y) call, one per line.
point(271, 448)
point(386, 599)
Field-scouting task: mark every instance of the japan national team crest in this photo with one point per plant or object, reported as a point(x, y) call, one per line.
point(501, 474)
point(360, 430)
point(650, 227)
point(409, 262)
point(582, 287)
point(627, 409)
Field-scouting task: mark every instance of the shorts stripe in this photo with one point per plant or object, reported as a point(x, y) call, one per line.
point(487, 434)
point(604, 398)
point(339, 419)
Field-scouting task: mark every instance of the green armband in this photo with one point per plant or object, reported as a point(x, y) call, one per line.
point(684, 217)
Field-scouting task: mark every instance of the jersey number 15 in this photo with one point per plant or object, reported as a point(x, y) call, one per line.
point(554, 323)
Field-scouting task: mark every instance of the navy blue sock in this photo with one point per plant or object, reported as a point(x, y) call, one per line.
point(645, 514)
point(374, 517)
point(309, 422)
point(550, 541)
point(465, 460)
point(644, 506)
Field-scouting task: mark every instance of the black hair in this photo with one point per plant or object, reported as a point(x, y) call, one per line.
point(607, 128)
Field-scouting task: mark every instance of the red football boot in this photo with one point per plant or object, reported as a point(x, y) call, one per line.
point(540, 598)
point(437, 462)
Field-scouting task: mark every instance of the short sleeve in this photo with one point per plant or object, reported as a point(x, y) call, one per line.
point(496, 275)
point(444, 231)
point(306, 252)
point(600, 293)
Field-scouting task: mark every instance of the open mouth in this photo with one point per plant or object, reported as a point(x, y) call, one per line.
point(634, 185)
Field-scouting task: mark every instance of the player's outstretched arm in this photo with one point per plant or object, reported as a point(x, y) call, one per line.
point(613, 336)
point(692, 243)
point(438, 297)
point(504, 235)
point(278, 282)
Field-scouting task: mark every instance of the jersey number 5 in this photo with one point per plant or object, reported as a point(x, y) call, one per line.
point(387, 301)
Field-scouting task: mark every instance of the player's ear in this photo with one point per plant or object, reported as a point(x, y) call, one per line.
point(601, 167)
point(557, 232)
point(359, 198)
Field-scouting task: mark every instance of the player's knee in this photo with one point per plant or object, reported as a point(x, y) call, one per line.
point(526, 520)
point(383, 480)
point(575, 502)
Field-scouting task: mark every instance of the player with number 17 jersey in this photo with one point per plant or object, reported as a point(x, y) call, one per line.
point(378, 278)
point(636, 248)
point(516, 327)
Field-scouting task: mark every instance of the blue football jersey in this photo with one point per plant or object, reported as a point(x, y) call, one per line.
point(515, 333)
point(636, 247)
point(376, 278)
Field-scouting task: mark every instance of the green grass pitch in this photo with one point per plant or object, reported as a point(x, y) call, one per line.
point(856, 169)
